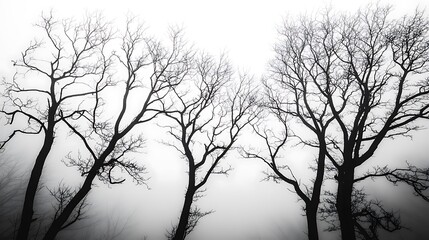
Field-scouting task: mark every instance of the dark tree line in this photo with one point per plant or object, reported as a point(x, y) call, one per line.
point(338, 84)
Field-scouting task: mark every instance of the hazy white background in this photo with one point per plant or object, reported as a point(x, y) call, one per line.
point(245, 207)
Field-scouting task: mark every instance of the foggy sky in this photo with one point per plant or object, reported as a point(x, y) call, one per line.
point(245, 207)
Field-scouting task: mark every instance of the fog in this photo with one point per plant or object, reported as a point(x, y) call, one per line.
point(244, 205)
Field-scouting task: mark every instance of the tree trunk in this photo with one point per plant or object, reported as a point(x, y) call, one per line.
point(311, 213)
point(344, 203)
point(180, 233)
point(313, 204)
point(32, 186)
point(57, 224)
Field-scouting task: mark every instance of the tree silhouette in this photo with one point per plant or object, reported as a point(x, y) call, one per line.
point(338, 84)
point(208, 112)
point(79, 63)
point(369, 215)
point(275, 143)
point(368, 73)
point(68, 67)
point(151, 71)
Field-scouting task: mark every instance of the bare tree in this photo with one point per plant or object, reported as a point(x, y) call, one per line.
point(292, 96)
point(151, 71)
point(208, 114)
point(369, 215)
point(371, 73)
point(79, 64)
point(271, 156)
point(68, 67)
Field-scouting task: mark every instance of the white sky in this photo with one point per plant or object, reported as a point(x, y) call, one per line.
point(246, 30)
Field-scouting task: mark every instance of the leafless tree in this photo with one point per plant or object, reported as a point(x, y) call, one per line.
point(292, 95)
point(275, 141)
point(208, 113)
point(79, 62)
point(150, 71)
point(371, 74)
point(67, 67)
point(369, 215)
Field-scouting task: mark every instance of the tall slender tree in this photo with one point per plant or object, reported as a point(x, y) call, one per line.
point(67, 67)
point(208, 112)
point(275, 140)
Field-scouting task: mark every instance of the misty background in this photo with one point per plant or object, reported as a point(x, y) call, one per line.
point(245, 206)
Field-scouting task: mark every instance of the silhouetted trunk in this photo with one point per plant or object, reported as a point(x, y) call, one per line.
point(180, 233)
point(344, 202)
point(32, 186)
point(313, 205)
point(36, 173)
point(311, 213)
point(57, 224)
